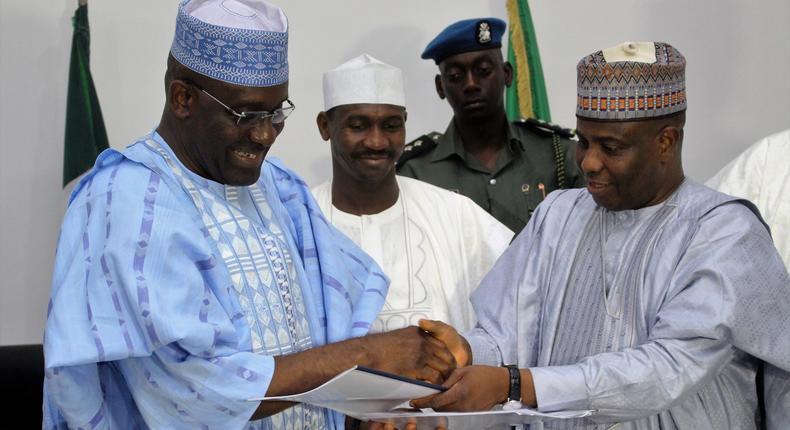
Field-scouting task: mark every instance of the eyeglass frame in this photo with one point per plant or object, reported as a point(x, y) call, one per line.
point(253, 116)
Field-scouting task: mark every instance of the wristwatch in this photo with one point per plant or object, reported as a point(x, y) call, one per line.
point(514, 390)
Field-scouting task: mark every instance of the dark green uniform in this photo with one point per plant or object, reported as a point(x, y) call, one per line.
point(525, 172)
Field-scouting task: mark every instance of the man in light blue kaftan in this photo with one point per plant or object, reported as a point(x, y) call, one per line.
point(648, 298)
point(694, 297)
point(193, 275)
point(185, 288)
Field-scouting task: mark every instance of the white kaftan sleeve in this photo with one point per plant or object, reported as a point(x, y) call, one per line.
point(743, 176)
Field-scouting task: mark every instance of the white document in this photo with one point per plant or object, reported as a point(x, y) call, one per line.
point(359, 391)
point(488, 420)
point(370, 394)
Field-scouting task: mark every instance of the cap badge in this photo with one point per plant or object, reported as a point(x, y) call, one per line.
point(483, 32)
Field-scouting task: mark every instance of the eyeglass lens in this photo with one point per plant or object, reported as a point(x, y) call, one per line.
point(277, 116)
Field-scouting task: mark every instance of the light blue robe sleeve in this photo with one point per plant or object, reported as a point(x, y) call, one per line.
point(728, 295)
point(342, 277)
point(720, 295)
point(509, 298)
point(777, 397)
point(140, 307)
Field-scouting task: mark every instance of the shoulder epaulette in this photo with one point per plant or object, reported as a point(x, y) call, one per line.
point(545, 128)
point(419, 146)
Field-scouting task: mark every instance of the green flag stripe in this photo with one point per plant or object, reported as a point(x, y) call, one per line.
point(512, 103)
point(85, 135)
point(540, 99)
point(521, 21)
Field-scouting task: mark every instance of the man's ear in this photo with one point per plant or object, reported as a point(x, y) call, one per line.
point(439, 89)
point(508, 68)
point(669, 142)
point(322, 121)
point(180, 99)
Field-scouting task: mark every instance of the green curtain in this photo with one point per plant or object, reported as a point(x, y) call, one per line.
point(527, 96)
point(85, 135)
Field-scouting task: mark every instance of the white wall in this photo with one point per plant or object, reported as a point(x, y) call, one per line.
point(738, 68)
point(737, 54)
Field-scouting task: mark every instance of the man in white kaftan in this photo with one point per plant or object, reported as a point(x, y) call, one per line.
point(434, 245)
point(674, 301)
point(761, 174)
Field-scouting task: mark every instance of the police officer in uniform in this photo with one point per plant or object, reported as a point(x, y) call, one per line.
point(506, 168)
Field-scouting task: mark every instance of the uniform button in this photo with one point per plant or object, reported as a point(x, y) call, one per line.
point(492, 181)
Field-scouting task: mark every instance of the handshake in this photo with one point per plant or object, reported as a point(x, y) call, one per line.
point(436, 353)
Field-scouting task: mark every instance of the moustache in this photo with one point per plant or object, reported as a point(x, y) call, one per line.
point(374, 154)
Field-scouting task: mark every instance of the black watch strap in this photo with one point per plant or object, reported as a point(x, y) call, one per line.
point(514, 392)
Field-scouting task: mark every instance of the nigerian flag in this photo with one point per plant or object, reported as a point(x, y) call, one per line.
point(85, 134)
point(526, 97)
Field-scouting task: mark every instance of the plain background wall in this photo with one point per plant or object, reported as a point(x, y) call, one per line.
point(738, 89)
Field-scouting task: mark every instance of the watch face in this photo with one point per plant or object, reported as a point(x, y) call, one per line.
point(511, 405)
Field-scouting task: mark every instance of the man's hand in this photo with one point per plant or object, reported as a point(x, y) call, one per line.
point(455, 343)
point(478, 388)
point(410, 352)
point(472, 388)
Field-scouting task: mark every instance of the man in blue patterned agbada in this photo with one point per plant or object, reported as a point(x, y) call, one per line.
point(193, 274)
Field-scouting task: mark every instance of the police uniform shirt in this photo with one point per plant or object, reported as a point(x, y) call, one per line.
point(524, 173)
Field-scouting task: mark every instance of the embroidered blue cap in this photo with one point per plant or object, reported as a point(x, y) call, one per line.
point(463, 36)
point(242, 42)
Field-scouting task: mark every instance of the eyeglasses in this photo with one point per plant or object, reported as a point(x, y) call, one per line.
point(277, 116)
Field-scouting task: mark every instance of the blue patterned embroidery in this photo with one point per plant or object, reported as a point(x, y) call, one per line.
point(263, 279)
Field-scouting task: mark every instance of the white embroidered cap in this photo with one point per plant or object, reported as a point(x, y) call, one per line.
point(363, 79)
